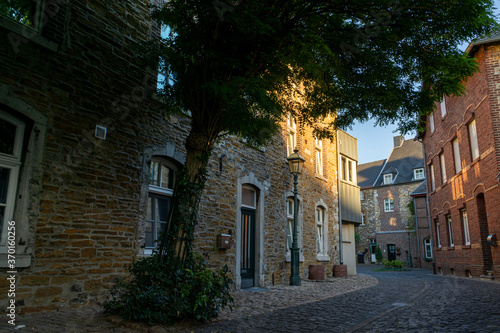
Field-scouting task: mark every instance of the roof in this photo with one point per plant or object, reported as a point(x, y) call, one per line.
point(493, 37)
point(421, 190)
point(402, 161)
point(368, 173)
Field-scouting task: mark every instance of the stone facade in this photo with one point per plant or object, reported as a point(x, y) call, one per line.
point(80, 203)
point(470, 187)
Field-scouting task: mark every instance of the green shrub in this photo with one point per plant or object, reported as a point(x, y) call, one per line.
point(394, 264)
point(164, 291)
point(378, 253)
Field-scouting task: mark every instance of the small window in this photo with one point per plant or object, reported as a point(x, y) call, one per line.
point(320, 229)
point(389, 205)
point(474, 147)
point(451, 241)
point(456, 156)
point(465, 226)
point(388, 178)
point(289, 225)
point(362, 195)
point(427, 249)
point(248, 197)
point(433, 182)
point(348, 169)
point(319, 156)
point(443, 108)
point(291, 134)
point(438, 235)
point(431, 122)
point(290, 205)
point(363, 217)
point(443, 168)
point(418, 173)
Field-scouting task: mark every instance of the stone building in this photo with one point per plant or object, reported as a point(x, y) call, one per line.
point(386, 186)
point(462, 146)
point(87, 165)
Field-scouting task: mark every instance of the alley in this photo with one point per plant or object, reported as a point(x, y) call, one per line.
point(414, 301)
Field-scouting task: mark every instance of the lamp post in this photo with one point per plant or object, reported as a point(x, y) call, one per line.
point(295, 163)
point(408, 230)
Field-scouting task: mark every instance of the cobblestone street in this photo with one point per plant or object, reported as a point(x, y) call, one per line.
point(414, 301)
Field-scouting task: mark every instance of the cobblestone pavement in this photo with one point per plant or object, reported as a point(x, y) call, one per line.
point(414, 301)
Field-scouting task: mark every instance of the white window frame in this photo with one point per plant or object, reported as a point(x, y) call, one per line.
point(433, 181)
point(363, 217)
point(443, 108)
point(362, 195)
point(319, 156)
point(427, 248)
point(418, 173)
point(388, 178)
point(451, 240)
point(431, 122)
point(291, 140)
point(158, 191)
point(389, 205)
point(348, 170)
point(456, 156)
point(438, 236)
point(443, 168)
point(474, 146)
point(465, 226)
point(320, 230)
point(12, 162)
point(289, 229)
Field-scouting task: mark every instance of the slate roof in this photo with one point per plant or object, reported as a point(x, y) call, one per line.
point(420, 190)
point(368, 173)
point(401, 163)
point(493, 37)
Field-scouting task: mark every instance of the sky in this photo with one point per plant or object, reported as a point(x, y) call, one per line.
point(376, 143)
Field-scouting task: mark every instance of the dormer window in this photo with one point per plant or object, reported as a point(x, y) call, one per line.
point(418, 173)
point(388, 178)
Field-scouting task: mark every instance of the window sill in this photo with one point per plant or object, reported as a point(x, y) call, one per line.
point(22, 260)
point(20, 33)
point(451, 248)
point(288, 257)
point(321, 177)
point(439, 249)
point(322, 257)
point(466, 247)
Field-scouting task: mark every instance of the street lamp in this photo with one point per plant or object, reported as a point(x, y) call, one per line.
point(295, 163)
point(408, 230)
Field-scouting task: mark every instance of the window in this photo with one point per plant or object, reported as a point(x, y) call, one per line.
point(465, 226)
point(474, 147)
point(348, 170)
point(165, 76)
point(11, 139)
point(443, 168)
point(29, 13)
point(389, 205)
point(433, 182)
point(443, 108)
point(418, 173)
point(431, 122)
point(289, 226)
point(291, 134)
point(388, 178)
point(362, 195)
point(161, 190)
point(456, 156)
point(451, 242)
point(427, 248)
point(320, 230)
point(319, 156)
point(438, 236)
point(363, 217)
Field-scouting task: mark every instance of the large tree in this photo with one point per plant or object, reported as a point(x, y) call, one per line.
point(241, 66)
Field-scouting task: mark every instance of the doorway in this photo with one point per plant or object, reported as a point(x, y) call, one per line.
point(247, 250)
point(391, 252)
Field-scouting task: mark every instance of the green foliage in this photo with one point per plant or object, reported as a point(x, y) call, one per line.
point(393, 264)
point(411, 223)
point(165, 291)
point(357, 238)
point(19, 10)
point(378, 253)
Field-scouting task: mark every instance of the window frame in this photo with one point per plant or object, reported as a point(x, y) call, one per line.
point(318, 156)
point(37, 14)
point(442, 162)
point(363, 217)
point(431, 122)
point(442, 105)
point(320, 230)
point(438, 236)
point(451, 240)
point(433, 179)
point(289, 228)
point(388, 178)
point(418, 173)
point(291, 142)
point(389, 205)
point(473, 140)
point(348, 169)
point(465, 226)
point(427, 249)
point(456, 156)
point(362, 195)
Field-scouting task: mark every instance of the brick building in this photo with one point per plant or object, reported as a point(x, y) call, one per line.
point(462, 145)
point(386, 188)
point(87, 164)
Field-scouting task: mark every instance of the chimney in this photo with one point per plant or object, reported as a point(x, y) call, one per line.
point(398, 140)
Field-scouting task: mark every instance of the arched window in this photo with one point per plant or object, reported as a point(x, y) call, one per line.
point(161, 190)
point(11, 139)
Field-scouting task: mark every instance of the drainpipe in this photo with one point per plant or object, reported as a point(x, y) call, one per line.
point(418, 238)
point(431, 230)
point(341, 252)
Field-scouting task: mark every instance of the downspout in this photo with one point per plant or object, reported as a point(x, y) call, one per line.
point(431, 230)
point(341, 245)
point(416, 228)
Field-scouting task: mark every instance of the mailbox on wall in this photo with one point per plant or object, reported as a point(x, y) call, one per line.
point(223, 241)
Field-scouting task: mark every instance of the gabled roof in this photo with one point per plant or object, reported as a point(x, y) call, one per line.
point(493, 37)
point(404, 159)
point(368, 173)
point(421, 190)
